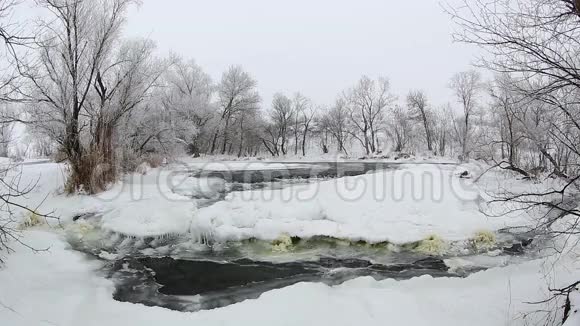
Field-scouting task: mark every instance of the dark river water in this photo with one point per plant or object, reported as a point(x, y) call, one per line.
point(176, 273)
point(192, 285)
point(302, 170)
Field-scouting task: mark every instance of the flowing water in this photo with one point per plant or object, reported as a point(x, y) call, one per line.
point(181, 273)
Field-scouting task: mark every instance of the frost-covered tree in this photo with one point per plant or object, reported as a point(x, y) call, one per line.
point(188, 99)
point(307, 120)
point(236, 92)
point(71, 59)
point(335, 121)
point(537, 42)
point(123, 86)
point(442, 130)
point(401, 129)
point(417, 103)
point(367, 102)
point(300, 106)
point(466, 86)
point(281, 120)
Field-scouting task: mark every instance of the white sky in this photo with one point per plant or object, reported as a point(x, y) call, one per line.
point(317, 47)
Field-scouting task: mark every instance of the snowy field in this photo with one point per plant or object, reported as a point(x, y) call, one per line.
point(402, 205)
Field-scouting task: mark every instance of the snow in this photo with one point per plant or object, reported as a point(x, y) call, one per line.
point(400, 205)
point(574, 316)
point(61, 287)
point(139, 205)
point(405, 204)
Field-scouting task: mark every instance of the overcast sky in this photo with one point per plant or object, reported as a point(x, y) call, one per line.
point(316, 47)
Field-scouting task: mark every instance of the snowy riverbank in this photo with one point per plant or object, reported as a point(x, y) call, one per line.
point(62, 286)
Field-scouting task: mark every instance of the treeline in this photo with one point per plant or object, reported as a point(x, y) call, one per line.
point(105, 104)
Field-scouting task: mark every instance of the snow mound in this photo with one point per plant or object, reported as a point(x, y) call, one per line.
point(399, 206)
point(148, 217)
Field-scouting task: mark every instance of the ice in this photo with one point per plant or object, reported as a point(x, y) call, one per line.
point(399, 206)
point(405, 204)
point(199, 187)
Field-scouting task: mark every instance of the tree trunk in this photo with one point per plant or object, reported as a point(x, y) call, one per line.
point(427, 132)
point(304, 141)
point(296, 139)
point(225, 141)
point(268, 147)
point(214, 141)
point(241, 136)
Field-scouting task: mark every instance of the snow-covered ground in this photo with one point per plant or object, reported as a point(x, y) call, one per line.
point(140, 205)
point(406, 204)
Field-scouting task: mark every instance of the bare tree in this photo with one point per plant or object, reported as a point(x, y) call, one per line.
point(308, 116)
point(367, 102)
point(236, 91)
point(508, 116)
point(537, 42)
point(336, 122)
point(300, 105)
point(466, 86)
point(249, 132)
point(442, 130)
point(120, 88)
point(187, 98)
point(281, 117)
point(401, 129)
point(77, 40)
point(417, 101)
